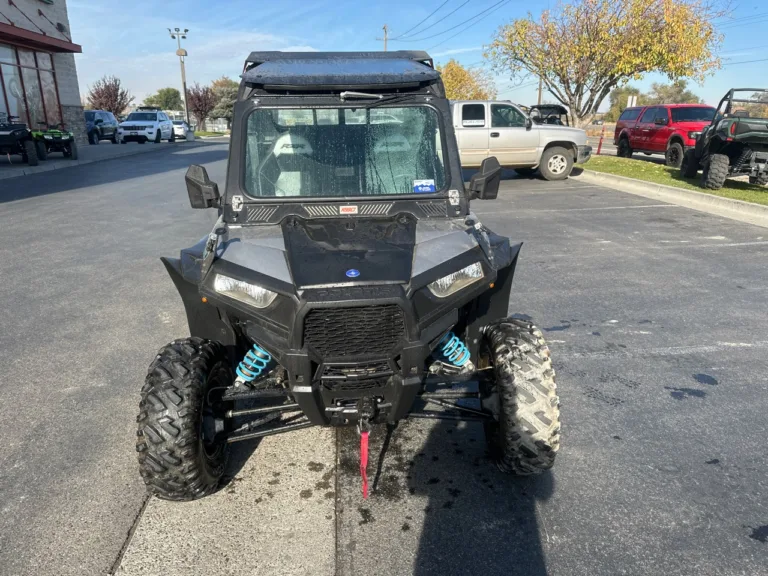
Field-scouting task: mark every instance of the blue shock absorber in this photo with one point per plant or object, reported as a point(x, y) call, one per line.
point(454, 350)
point(255, 362)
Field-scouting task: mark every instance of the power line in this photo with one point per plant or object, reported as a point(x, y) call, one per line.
point(492, 10)
point(457, 25)
point(437, 22)
point(745, 62)
point(736, 24)
point(422, 22)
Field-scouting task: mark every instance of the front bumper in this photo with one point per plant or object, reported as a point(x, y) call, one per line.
point(583, 154)
point(329, 388)
point(136, 135)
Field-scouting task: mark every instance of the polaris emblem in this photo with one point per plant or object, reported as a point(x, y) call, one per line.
point(348, 210)
point(353, 273)
point(237, 203)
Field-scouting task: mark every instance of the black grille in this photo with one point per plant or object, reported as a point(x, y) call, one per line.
point(361, 331)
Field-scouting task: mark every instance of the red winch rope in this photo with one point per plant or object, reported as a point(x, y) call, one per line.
point(364, 462)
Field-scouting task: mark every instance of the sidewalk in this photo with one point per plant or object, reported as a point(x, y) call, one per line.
point(87, 155)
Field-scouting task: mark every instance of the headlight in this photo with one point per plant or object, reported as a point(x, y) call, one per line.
point(693, 135)
point(452, 283)
point(48, 137)
point(250, 294)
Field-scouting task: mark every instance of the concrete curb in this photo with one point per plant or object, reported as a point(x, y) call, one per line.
point(756, 214)
point(47, 165)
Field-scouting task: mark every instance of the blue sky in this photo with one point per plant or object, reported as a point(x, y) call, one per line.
point(130, 40)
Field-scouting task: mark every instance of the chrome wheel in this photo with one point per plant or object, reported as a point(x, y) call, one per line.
point(557, 164)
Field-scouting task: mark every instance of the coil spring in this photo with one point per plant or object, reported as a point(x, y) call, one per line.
point(454, 350)
point(255, 362)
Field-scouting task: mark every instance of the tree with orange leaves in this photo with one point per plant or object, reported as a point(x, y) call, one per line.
point(585, 49)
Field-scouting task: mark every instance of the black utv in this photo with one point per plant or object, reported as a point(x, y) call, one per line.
point(15, 138)
point(735, 144)
point(346, 282)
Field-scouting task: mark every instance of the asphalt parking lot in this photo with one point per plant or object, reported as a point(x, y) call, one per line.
point(656, 316)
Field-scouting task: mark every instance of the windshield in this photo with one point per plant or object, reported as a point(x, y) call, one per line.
point(178, 122)
point(693, 114)
point(337, 152)
point(142, 116)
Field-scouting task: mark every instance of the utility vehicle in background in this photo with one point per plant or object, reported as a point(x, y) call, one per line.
point(735, 143)
point(54, 138)
point(15, 138)
point(346, 282)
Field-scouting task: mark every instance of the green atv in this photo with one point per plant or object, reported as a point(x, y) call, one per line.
point(735, 144)
point(15, 138)
point(55, 139)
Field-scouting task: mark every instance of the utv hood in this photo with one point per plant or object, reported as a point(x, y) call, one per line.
point(344, 251)
point(332, 251)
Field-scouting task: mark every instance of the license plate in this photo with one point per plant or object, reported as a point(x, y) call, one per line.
point(134, 133)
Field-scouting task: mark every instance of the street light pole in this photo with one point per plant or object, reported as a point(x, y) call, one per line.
point(177, 35)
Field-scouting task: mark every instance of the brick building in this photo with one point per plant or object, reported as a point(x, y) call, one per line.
point(38, 77)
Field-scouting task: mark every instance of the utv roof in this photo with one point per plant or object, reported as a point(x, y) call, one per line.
point(339, 70)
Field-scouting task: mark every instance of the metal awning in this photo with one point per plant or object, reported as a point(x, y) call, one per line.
point(35, 40)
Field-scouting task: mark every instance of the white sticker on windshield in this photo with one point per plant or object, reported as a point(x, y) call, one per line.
point(453, 197)
point(423, 186)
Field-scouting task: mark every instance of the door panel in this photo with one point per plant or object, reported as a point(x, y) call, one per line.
point(510, 141)
point(643, 128)
point(472, 133)
point(660, 133)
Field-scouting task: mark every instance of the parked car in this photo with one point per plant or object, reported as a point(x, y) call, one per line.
point(502, 129)
point(668, 129)
point(180, 128)
point(146, 123)
point(101, 125)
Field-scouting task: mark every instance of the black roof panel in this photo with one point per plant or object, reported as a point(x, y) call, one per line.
point(339, 69)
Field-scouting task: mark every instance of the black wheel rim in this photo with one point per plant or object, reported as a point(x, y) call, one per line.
point(674, 156)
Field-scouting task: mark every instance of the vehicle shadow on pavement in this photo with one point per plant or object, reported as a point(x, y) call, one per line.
point(108, 172)
point(438, 506)
point(480, 521)
point(239, 454)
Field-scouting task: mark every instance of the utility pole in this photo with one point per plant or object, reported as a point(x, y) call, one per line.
point(540, 86)
point(386, 36)
point(177, 35)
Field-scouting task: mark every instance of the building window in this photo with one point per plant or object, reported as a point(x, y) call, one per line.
point(28, 86)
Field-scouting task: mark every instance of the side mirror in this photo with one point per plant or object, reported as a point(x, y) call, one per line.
point(485, 184)
point(99, 121)
point(202, 192)
point(528, 123)
point(660, 121)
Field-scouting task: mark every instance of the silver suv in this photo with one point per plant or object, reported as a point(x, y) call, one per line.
point(501, 129)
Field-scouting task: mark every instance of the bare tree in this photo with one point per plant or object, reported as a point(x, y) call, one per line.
point(108, 94)
point(201, 100)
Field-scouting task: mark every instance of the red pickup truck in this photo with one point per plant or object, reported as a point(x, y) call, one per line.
point(667, 129)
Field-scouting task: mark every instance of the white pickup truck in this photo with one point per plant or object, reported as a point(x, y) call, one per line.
point(501, 129)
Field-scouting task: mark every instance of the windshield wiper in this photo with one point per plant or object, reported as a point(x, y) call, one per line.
point(389, 100)
point(380, 98)
point(349, 94)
